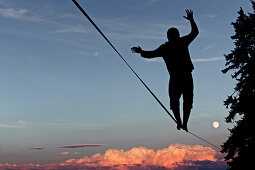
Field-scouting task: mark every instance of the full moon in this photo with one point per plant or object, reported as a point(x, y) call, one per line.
point(216, 124)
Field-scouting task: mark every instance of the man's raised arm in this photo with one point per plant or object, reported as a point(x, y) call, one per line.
point(194, 30)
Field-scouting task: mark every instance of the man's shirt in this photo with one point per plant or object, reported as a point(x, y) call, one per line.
point(176, 53)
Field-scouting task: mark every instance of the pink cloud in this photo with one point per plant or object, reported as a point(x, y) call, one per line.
point(64, 153)
point(174, 156)
point(68, 153)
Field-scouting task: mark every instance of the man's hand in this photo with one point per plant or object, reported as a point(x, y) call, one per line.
point(136, 50)
point(189, 15)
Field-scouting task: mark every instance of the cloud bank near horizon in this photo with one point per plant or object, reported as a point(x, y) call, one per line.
point(174, 156)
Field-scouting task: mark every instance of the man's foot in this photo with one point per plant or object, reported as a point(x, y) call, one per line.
point(179, 126)
point(184, 127)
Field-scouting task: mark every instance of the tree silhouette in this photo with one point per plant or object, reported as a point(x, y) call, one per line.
point(240, 145)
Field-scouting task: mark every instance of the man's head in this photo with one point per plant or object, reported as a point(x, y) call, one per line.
point(173, 34)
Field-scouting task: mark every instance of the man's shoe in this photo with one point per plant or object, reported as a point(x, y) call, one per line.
point(184, 127)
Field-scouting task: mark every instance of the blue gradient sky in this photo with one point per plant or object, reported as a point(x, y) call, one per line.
point(62, 84)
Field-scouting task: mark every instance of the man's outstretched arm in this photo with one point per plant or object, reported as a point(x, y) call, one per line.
point(194, 30)
point(146, 54)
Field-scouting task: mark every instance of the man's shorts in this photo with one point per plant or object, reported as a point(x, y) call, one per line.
point(181, 84)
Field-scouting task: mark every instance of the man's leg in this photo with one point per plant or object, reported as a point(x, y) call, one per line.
point(186, 114)
point(187, 99)
point(177, 116)
point(175, 94)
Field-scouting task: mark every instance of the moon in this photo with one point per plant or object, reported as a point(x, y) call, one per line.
point(216, 124)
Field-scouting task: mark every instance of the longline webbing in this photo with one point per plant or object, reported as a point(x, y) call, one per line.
point(155, 97)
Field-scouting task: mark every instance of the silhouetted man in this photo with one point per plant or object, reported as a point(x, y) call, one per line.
point(176, 56)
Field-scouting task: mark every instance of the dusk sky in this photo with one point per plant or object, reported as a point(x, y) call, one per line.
point(62, 84)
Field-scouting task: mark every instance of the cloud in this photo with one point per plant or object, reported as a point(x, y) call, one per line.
point(21, 122)
point(175, 156)
point(210, 16)
point(124, 29)
point(96, 54)
point(68, 153)
point(72, 29)
point(64, 153)
point(166, 157)
point(152, 2)
point(21, 14)
point(196, 60)
point(26, 15)
point(208, 59)
point(69, 146)
point(81, 145)
point(207, 47)
point(18, 124)
point(135, 35)
point(36, 148)
point(2, 125)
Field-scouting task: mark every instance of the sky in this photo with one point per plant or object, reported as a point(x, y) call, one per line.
point(62, 84)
